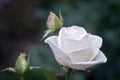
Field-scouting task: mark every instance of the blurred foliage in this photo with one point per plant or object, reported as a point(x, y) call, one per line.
point(22, 24)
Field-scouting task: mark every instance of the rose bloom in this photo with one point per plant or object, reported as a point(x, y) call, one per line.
point(76, 49)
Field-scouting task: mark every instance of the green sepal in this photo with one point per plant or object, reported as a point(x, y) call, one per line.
point(61, 18)
point(10, 69)
point(35, 67)
point(47, 32)
point(58, 23)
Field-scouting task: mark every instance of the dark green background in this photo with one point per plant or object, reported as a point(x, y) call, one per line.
point(22, 24)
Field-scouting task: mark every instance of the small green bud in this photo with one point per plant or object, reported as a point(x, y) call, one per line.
point(54, 23)
point(22, 65)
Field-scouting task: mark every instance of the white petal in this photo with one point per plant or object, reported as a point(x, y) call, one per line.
point(80, 66)
point(77, 32)
point(74, 32)
point(96, 41)
point(70, 45)
point(80, 55)
point(81, 51)
point(60, 56)
point(51, 39)
point(93, 53)
point(100, 58)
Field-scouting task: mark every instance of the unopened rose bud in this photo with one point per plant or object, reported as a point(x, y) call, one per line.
point(22, 65)
point(54, 23)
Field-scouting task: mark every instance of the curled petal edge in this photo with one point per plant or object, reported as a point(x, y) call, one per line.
point(60, 56)
point(100, 58)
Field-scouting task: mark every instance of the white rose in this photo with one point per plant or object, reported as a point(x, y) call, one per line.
point(75, 48)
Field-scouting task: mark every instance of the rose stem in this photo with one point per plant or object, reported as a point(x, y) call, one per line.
point(21, 77)
point(58, 66)
point(58, 74)
point(68, 74)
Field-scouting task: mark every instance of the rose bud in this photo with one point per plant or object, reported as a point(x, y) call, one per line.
point(53, 22)
point(22, 65)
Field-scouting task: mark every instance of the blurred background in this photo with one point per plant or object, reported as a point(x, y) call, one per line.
point(23, 22)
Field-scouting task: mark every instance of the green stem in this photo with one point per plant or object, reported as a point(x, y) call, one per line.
point(68, 74)
point(72, 75)
point(58, 66)
point(21, 77)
